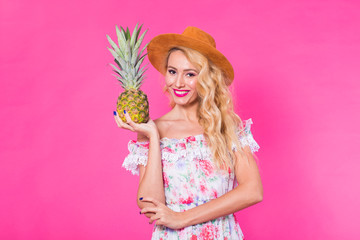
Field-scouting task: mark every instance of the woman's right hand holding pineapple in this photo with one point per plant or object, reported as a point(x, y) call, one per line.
point(149, 129)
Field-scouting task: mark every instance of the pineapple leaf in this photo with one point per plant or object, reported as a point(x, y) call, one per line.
point(112, 43)
point(114, 46)
point(128, 66)
point(118, 78)
point(137, 86)
point(140, 62)
point(116, 69)
point(137, 34)
point(141, 71)
point(141, 80)
point(141, 39)
point(117, 73)
point(117, 62)
point(135, 57)
point(127, 51)
point(123, 31)
point(121, 76)
point(123, 64)
point(132, 41)
point(121, 40)
point(121, 73)
point(117, 59)
point(133, 74)
point(143, 49)
point(127, 33)
point(115, 55)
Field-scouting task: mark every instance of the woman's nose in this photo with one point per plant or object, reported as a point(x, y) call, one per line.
point(180, 81)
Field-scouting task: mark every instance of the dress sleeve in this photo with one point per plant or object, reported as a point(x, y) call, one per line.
point(138, 154)
point(246, 138)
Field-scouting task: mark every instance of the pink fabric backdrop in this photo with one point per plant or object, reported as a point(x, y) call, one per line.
point(296, 75)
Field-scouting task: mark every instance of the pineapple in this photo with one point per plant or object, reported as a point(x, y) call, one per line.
point(128, 59)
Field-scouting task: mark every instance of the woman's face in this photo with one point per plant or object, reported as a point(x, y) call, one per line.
point(181, 77)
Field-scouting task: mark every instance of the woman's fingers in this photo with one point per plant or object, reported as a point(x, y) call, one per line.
point(121, 124)
point(154, 218)
point(152, 200)
point(154, 210)
point(149, 210)
point(146, 129)
point(129, 121)
point(117, 121)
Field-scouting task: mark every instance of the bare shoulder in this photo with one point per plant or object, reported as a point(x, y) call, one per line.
point(163, 123)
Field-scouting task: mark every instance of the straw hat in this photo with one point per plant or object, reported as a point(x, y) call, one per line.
point(193, 38)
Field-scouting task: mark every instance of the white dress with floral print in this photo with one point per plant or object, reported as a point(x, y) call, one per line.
point(191, 179)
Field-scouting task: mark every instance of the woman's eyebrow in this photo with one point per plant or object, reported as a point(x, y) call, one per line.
point(189, 69)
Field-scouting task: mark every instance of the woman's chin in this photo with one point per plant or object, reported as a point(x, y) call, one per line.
point(183, 102)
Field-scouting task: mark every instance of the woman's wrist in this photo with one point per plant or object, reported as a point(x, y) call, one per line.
point(184, 222)
point(154, 136)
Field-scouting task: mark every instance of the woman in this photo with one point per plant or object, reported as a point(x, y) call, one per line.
point(190, 160)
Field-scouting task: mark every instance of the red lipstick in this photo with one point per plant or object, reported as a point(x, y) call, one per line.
point(181, 93)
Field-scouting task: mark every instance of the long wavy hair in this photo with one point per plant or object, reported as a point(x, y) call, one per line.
point(215, 110)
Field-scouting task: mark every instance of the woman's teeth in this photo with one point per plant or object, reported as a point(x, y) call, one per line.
point(181, 92)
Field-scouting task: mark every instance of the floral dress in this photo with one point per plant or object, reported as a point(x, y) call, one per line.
point(191, 179)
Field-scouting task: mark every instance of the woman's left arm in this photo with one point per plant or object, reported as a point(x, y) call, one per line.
point(248, 192)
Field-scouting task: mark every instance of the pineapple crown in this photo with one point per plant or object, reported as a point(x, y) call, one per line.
point(127, 57)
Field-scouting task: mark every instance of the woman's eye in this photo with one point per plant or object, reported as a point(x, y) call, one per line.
point(191, 74)
point(171, 71)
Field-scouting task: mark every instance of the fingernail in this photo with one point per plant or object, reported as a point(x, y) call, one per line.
point(115, 113)
point(124, 111)
point(141, 198)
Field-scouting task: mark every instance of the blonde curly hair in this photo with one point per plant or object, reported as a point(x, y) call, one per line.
point(215, 110)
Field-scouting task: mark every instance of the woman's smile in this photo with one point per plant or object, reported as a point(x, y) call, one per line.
point(181, 93)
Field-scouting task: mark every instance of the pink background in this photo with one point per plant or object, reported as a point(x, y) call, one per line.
point(296, 75)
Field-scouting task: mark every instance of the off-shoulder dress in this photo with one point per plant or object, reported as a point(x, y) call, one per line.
point(191, 179)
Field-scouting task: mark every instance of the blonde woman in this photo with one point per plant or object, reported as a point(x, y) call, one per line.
point(196, 163)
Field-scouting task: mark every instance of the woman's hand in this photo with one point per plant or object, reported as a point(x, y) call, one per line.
point(164, 215)
point(148, 129)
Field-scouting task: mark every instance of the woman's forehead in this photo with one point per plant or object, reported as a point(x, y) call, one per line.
point(178, 60)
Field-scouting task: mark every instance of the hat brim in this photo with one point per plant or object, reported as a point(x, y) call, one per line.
point(160, 45)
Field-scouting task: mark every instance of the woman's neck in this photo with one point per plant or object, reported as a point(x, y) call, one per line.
point(186, 113)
